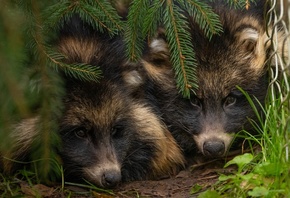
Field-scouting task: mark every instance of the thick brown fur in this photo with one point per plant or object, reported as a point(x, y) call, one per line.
point(217, 109)
point(107, 136)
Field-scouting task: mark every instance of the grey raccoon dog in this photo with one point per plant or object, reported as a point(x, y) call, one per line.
point(217, 109)
point(106, 135)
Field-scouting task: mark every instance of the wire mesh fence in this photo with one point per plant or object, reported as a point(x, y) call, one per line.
point(277, 22)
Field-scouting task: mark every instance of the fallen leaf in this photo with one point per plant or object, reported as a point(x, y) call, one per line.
point(38, 190)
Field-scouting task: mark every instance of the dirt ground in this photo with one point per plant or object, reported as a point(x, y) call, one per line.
point(201, 174)
point(204, 175)
point(177, 186)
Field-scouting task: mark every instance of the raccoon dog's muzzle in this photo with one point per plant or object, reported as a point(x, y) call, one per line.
point(213, 142)
point(107, 176)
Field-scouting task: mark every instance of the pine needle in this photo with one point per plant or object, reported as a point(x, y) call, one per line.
point(204, 16)
point(133, 35)
point(181, 48)
point(81, 71)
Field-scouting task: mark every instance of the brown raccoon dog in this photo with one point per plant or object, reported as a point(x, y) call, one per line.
point(218, 109)
point(106, 135)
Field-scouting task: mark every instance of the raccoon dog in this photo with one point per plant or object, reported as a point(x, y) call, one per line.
point(217, 109)
point(107, 136)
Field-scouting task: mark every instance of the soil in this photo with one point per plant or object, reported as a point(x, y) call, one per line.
point(178, 186)
point(200, 174)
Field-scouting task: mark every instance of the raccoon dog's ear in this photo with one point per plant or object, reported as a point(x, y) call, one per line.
point(133, 78)
point(256, 42)
point(156, 61)
point(157, 51)
point(253, 43)
point(248, 39)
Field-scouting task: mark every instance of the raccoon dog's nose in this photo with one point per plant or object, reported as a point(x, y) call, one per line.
point(111, 178)
point(213, 148)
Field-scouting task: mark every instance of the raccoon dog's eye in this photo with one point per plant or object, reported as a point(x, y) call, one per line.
point(230, 100)
point(249, 45)
point(117, 131)
point(81, 132)
point(194, 101)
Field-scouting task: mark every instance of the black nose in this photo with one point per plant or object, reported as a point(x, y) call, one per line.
point(213, 148)
point(111, 178)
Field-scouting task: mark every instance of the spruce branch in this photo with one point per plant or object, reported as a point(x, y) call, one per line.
point(47, 138)
point(241, 4)
point(54, 14)
point(110, 13)
point(101, 15)
point(88, 15)
point(133, 33)
point(204, 16)
point(181, 48)
point(81, 71)
point(153, 18)
point(172, 15)
point(50, 93)
point(98, 17)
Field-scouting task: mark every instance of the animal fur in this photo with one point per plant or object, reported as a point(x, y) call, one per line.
point(217, 109)
point(107, 136)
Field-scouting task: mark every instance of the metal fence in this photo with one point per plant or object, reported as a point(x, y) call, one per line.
point(278, 21)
